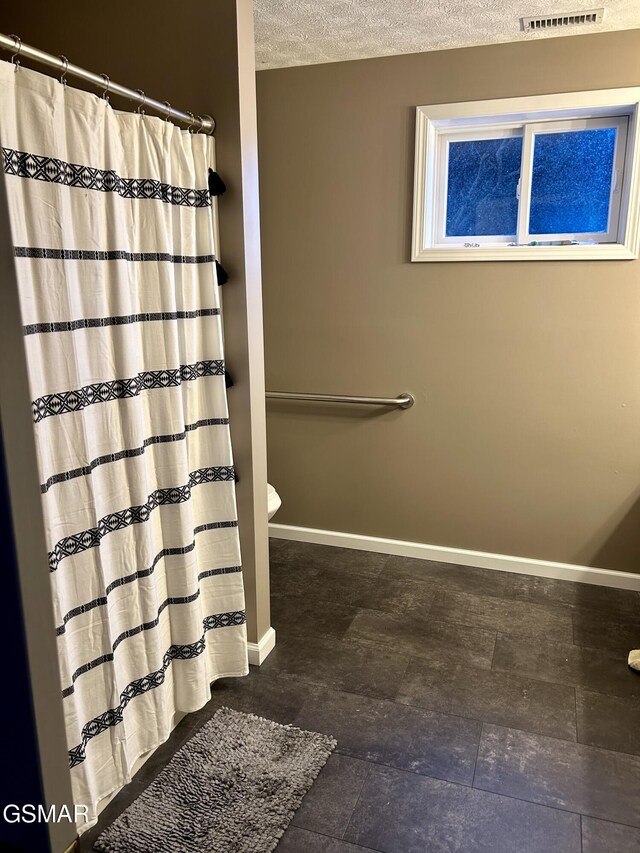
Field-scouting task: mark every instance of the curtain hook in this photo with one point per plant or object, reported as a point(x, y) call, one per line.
point(105, 94)
point(168, 106)
point(192, 122)
point(142, 102)
point(63, 76)
point(18, 42)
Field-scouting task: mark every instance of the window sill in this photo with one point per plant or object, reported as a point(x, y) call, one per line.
point(611, 252)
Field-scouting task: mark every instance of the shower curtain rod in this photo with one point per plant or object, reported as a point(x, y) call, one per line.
point(205, 124)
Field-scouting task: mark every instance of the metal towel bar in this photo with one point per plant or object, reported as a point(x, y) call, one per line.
point(404, 401)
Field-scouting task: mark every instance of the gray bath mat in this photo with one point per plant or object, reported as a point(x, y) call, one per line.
point(232, 788)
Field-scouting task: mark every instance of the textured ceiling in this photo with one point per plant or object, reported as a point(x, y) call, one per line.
point(305, 32)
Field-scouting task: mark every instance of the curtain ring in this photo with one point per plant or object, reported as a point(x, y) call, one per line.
point(168, 106)
point(192, 122)
point(18, 42)
point(63, 76)
point(105, 94)
point(142, 102)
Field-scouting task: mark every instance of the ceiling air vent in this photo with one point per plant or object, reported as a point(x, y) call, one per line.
point(570, 19)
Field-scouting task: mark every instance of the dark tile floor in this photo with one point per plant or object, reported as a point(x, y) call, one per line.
point(475, 711)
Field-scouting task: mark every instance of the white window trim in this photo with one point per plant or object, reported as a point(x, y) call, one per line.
point(434, 119)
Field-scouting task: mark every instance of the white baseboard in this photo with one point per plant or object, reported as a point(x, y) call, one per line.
point(460, 556)
point(258, 652)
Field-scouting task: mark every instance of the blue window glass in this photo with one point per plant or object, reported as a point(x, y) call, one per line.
point(481, 189)
point(571, 181)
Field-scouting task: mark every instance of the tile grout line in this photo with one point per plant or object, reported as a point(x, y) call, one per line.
point(435, 591)
point(427, 711)
point(475, 766)
point(515, 670)
point(357, 802)
point(416, 774)
point(581, 836)
point(548, 806)
point(367, 643)
point(542, 636)
point(507, 673)
point(493, 654)
point(400, 680)
point(443, 620)
point(493, 723)
point(409, 705)
point(363, 641)
point(608, 820)
point(335, 837)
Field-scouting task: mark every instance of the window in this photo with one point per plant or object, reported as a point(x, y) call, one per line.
point(549, 177)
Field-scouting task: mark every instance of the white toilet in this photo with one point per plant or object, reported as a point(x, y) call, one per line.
point(273, 501)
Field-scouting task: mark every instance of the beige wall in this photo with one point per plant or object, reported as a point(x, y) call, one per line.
point(525, 436)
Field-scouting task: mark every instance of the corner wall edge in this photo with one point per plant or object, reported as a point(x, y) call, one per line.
point(258, 652)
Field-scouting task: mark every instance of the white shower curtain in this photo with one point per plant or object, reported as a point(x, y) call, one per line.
point(113, 231)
